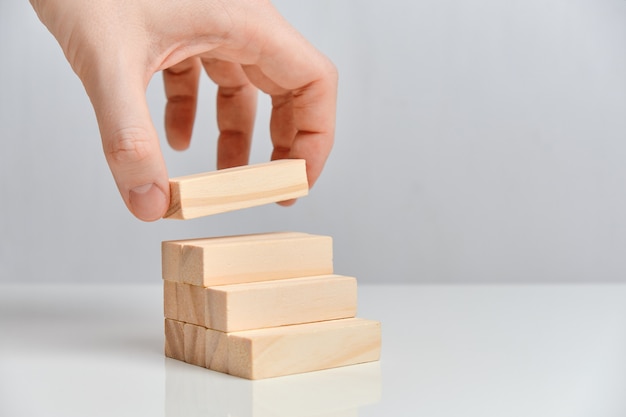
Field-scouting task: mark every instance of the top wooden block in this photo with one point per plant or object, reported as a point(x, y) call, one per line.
point(236, 188)
point(246, 258)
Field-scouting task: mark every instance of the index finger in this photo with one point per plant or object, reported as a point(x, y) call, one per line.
point(303, 86)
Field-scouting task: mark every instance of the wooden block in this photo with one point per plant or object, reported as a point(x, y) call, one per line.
point(171, 256)
point(266, 353)
point(216, 350)
point(247, 258)
point(276, 351)
point(194, 344)
point(174, 339)
point(191, 304)
point(170, 300)
point(278, 303)
point(230, 308)
point(236, 188)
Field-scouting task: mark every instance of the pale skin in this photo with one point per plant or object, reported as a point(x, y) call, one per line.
point(116, 46)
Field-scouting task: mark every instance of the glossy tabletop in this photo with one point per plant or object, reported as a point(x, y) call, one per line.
point(483, 350)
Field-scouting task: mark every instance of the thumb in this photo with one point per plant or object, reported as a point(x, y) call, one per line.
point(130, 143)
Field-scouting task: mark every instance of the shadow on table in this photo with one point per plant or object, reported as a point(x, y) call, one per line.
point(193, 391)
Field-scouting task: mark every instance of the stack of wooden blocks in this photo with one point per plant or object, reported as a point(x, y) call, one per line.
point(263, 305)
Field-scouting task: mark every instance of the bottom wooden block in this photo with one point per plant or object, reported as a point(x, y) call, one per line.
point(277, 351)
point(174, 339)
point(265, 353)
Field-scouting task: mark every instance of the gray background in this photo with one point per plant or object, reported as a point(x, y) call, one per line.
point(477, 141)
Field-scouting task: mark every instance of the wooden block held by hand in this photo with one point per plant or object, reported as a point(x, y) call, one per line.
point(237, 188)
point(247, 258)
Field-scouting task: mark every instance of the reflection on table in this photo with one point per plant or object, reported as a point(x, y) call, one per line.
point(193, 391)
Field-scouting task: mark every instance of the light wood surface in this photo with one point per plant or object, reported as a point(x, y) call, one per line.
point(191, 301)
point(170, 300)
point(194, 344)
point(216, 350)
point(277, 351)
point(236, 188)
point(237, 307)
point(266, 353)
point(174, 339)
point(246, 258)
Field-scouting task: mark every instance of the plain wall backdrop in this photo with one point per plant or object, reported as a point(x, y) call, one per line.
point(477, 141)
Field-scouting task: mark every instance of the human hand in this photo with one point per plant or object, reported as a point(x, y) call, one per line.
point(116, 46)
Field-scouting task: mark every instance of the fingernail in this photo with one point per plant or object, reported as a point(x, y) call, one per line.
point(148, 202)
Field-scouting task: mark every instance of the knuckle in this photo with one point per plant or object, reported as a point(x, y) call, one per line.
point(184, 99)
point(328, 70)
point(129, 145)
point(231, 91)
point(332, 70)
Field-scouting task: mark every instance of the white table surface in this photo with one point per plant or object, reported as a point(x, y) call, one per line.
point(447, 351)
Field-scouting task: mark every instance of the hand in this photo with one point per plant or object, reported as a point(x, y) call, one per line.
point(116, 46)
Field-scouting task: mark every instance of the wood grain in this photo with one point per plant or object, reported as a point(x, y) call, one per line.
point(246, 258)
point(192, 304)
point(267, 353)
point(236, 188)
point(174, 339)
point(284, 302)
point(216, 351)
point(230, 308)
point(170, 300)
point(276, 351)
point(194, 344)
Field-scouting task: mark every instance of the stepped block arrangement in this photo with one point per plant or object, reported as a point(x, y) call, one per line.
point(263, 305)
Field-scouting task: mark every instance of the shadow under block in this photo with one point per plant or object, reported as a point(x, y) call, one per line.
point(246, 258)
point(236, 188)
point(237, 307)
point(278, 351)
